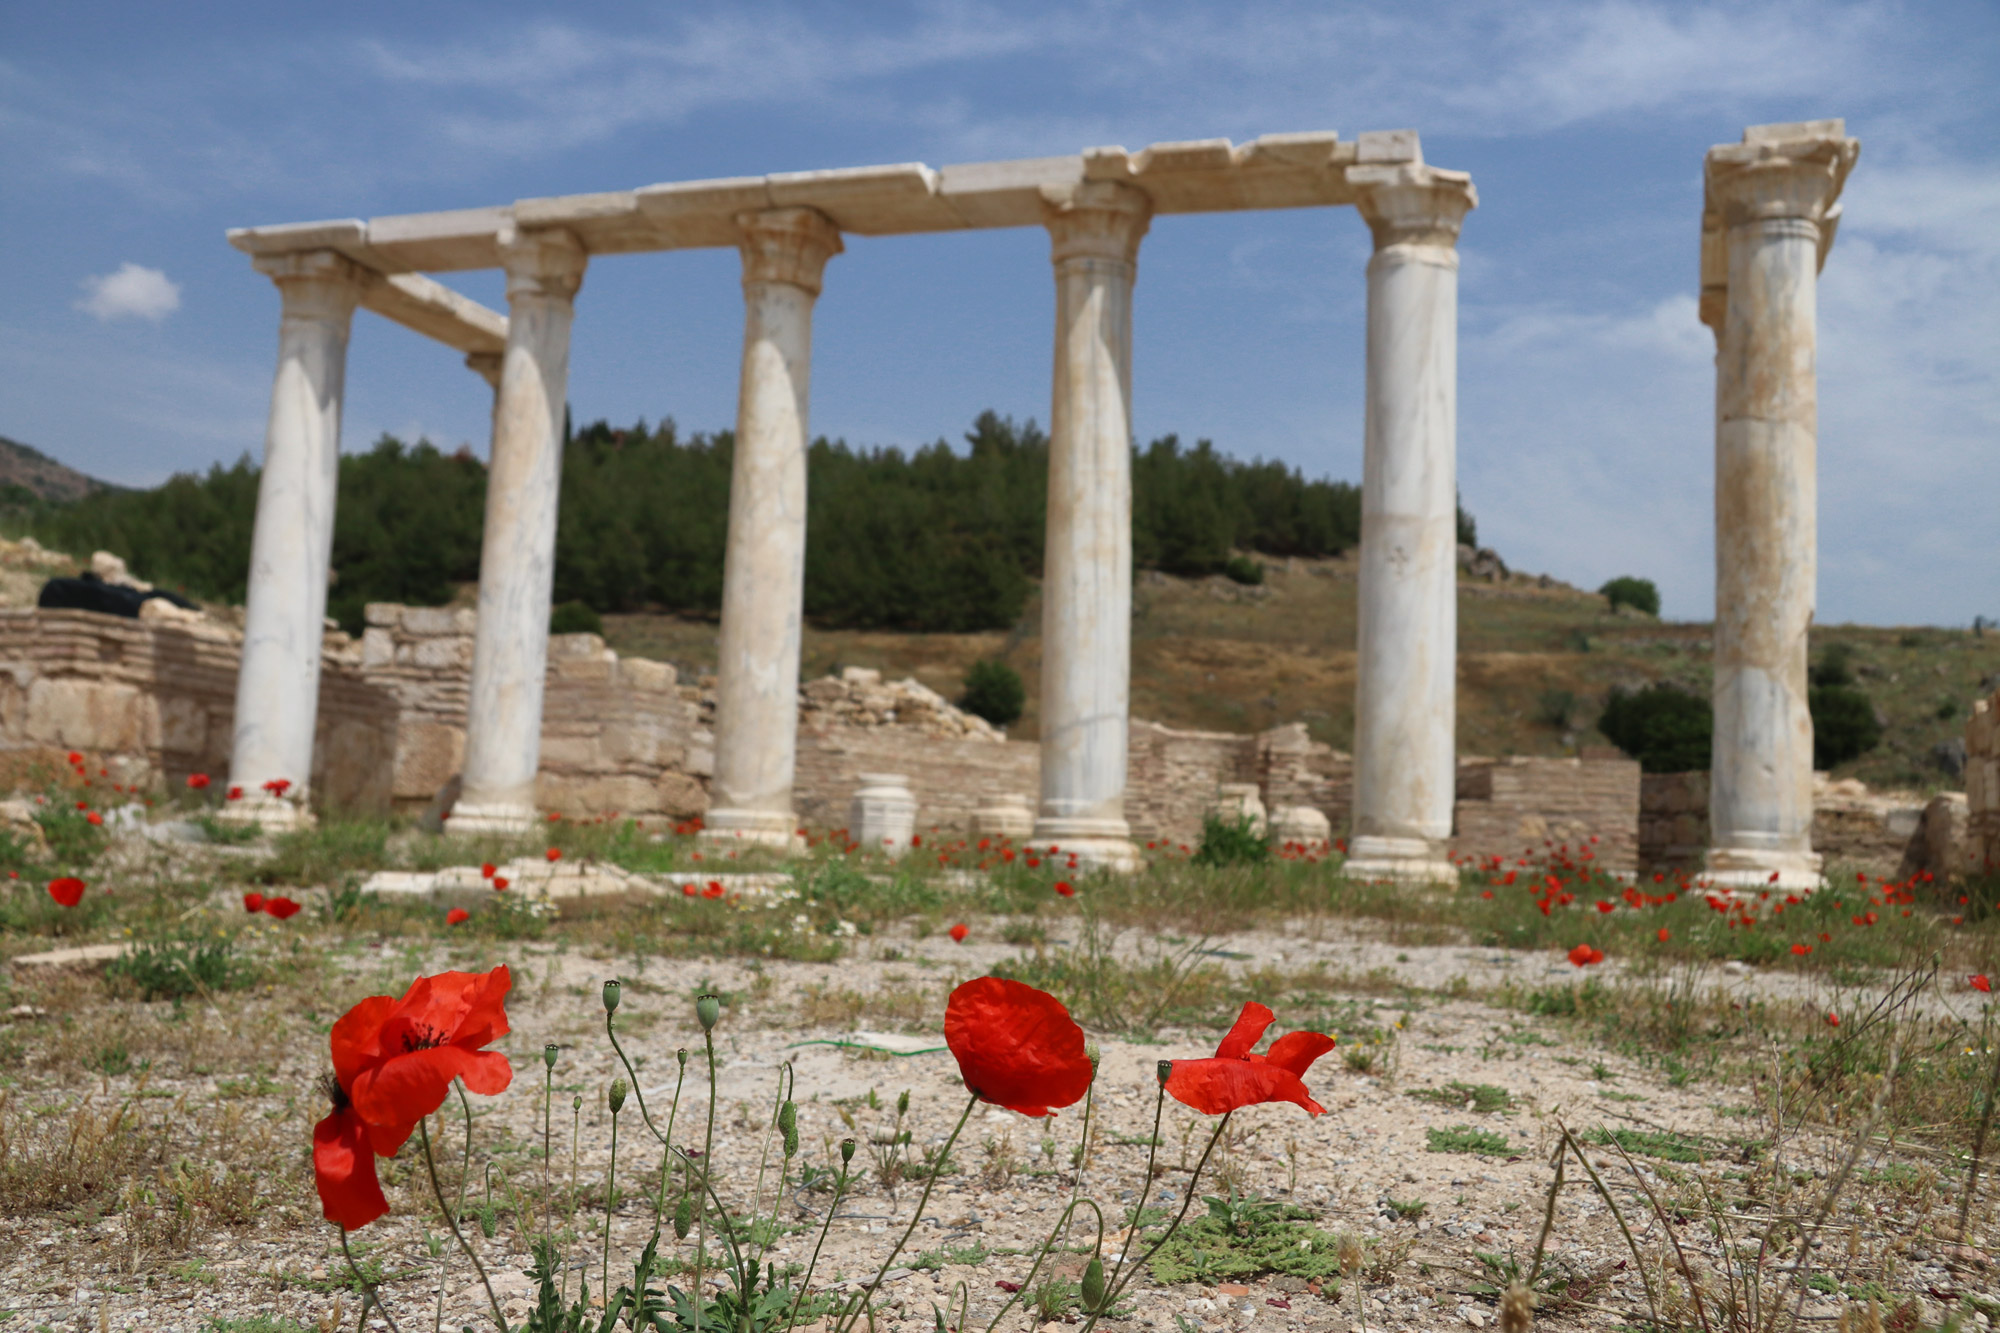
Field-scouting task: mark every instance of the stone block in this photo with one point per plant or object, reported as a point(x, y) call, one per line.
point(183, 725)
point(643, 674)
point(378, 647)
point(597, 794)
point(428, 754)
point(442, 654)
point(572, 752)
point(92, 715)
point(583, 668)
point(432, 621)
point(1387, 146)
point(385, 614)
point(562, 646)
point(639, 740)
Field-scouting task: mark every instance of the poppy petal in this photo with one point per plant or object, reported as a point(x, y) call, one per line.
point(1249, 1026)
point(356, 1037)
point(1296, 1051)
point(350, 1195)
point(1016, 1046)
point(1218, 1086)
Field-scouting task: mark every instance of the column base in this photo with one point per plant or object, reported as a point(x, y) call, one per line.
point(1753, 868)
point(756, 828)
point(268, 813)
point(1097, 844)
point(1402, 860)
point(469, 819)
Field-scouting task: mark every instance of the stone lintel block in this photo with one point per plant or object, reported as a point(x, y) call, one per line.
point(455, 239)
point(1835, 128)
point(1189, 155)
point(1388, 146)
point(341, 234)
point(430, 621)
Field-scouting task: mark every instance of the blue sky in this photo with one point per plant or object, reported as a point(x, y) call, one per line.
point(135, 343)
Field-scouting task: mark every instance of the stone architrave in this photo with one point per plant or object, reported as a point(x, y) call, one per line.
point(1095, 230)
point(503, 734)
point(1405, 773)
point(763, 577)
point(1769, 223)
point(291, 545)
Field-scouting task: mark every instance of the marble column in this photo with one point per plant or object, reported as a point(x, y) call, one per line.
point(1405, 714)
point(1770, 211)
point(510, 653)
point(291, 545)
point(763, 573)
point(1087, 563)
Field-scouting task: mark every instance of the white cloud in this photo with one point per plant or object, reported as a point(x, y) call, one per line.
point(134, 292)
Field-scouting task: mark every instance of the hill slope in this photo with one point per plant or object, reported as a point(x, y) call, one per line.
point(35, 472)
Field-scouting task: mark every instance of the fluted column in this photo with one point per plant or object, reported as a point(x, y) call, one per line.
point(510, 654)
point(1087, 562)
point(277, 685)
point(1771, 212)
point(1405, 716)
point(763, 574)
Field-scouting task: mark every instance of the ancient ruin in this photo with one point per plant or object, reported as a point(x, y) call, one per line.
point(1097, 206)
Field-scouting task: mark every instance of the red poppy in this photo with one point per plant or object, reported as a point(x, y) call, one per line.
point(1234, 1078)
point(1585, 956)
point(1833, 1020)
point(397, 1058)
point(93, 818)
point(456, 915)
point(75, 758)
point(253, 902)
point(1016, 1046)
point(68, 890)
point(714, 889)
point(282, 908)
point(278, 786)
point(1663, 934)
point(1065, 888)
point(1979, 983)
point(500, 883)
point(689, 890)
point(198, 781)
point(1603, 906)
point(959, 932)
point(487, 870)
point(553, 853)
point(1802, 949)
point(350, 1195)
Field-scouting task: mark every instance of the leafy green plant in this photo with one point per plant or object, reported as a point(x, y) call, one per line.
point(1465, 1138)
point(1242, 569)
point(1242, 1238)
point(178, 969)
point(1639, 594)
point(1231, 842)
point(1665, 727)
point(574, 617)
point(1484, 1098)
point(73, 840)
point(1844, 724)
point(993, 690)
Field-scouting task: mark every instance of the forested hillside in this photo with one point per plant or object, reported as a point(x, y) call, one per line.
point(937, 539)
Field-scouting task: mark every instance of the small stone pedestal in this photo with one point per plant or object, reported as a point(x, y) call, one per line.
point(1236, 802)
point(1301, 824)
point(882, 817)
point(1402, 860)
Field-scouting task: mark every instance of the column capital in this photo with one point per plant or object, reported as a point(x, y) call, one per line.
point(545, 261)
point(788, 245)
point(1408, 203)
point(1101, 220)
point(1790, 173)
point(317, 283)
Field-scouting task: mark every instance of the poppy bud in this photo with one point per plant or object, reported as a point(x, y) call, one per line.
point(616, 1097)
point(1093, 1284)
point(684, 1216)
point(788, 1128)
point(612, 990)
point(846, 1151)
point(682, 1056)
point(903, 1103)
point(1090, 1050)
point(708, 1009)
point(549, 1053)
point(1165, 1070)
point(576, 1102)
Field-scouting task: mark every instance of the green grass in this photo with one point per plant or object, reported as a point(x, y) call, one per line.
point(1663, 1144)
point(1466, 1139)
point(1484, 1098)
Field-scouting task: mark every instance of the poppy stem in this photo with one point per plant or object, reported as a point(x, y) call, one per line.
point(430, 1166)
point(667, 1159)
point(930, 1180)
point(1042, 1254)
point(639, 1092)
point(839, 1192)
point(1125, 1271)
point(368, 1290)
point(610, 1200)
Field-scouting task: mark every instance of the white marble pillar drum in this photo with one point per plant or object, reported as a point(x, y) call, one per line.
point(1405, 716)
point(503, 731)
point(763, 574)
point(277, 686)
point(1771, 201)
point(1087, 563)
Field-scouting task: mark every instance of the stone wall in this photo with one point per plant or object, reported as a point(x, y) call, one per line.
point(1982, 787)
point(1853, 827)
point(618, 734)
point(951, 776)
point(1506, 805)
point(1673, 821)
point(155, 700)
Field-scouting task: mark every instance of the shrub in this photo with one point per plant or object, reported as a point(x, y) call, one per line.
point(993, 690)
point(1844, 724)
point(1553, 708)
point(1231, 842)
point(1835, 666)
point(1639, 594)
point(177, 969)
point(1242, 569)
point(1664, 727)
point(575, 618)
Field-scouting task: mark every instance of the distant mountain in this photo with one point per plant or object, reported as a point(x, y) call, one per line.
point(35, 472)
